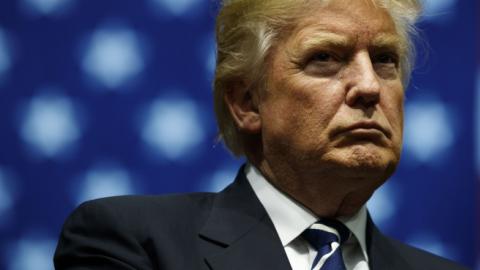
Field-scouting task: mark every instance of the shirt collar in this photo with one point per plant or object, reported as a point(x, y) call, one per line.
point(290, 218)
point(357, 224)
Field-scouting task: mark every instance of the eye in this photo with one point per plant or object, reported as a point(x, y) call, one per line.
point(386, 58)
point(322, 57)
point(322, 64)
point(386, 65)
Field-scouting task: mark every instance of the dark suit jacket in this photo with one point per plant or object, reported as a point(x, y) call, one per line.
point(226, 231)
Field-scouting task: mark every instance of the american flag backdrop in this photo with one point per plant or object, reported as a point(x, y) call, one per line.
point(103, 98)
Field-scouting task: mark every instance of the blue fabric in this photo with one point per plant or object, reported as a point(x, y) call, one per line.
point(321, 240)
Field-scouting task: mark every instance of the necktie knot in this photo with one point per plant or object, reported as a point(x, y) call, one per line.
point(321, 235)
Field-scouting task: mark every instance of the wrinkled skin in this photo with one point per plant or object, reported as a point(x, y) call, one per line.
point(328, 128)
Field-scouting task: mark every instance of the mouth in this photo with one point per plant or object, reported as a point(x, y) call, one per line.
point(365, 130)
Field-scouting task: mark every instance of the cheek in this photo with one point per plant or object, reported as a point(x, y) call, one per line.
point(282, 117)
point(317, 99)
point(396, 107)
point(393, 109)
point(300, 113)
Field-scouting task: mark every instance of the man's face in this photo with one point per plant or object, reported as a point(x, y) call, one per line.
point(334, 97)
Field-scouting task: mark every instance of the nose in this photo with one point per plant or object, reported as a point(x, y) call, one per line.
point(363, 87)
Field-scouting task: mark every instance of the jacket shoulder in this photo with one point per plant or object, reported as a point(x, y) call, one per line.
point(151, 202)
point(420, 259)
point(150, 209)
point(122, 232)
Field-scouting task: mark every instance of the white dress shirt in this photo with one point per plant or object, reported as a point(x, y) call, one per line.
point(291, 218)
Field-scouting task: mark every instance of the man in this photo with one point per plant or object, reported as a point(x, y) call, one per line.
point(311, 92)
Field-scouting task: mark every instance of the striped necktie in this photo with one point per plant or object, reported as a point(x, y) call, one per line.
point(326, 236)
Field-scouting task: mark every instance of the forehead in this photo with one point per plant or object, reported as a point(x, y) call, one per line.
point(354, 19)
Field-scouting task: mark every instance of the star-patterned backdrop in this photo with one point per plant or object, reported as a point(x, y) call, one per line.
point(103, 98)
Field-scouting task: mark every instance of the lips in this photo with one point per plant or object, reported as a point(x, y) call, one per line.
point(365, 127)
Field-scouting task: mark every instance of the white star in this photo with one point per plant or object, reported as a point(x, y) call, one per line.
point(32, 254)
point(209, 55)
point(113, 57)
point(50, 124)
point(430, 242)
point(5, 58)
point(428, 129)
point(438, 10)
point(173, 127)
point(104, 181)
point(220, 179)
point(46, 7)
point(178, 7)
point(383, 205)
point(6, 194)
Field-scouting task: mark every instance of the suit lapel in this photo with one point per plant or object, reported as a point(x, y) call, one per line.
point(239, 234)
point(381, 251)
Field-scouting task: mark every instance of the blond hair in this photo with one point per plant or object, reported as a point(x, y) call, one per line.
point(247, 29)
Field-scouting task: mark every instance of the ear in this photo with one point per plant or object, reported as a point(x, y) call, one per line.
point(243, 108)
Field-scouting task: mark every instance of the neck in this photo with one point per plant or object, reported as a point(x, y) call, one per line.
point(325, 193)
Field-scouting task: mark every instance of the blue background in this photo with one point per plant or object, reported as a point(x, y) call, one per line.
point(101, 98)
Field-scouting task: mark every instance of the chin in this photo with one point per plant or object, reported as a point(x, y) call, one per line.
point(348, 211)
point(366, 160)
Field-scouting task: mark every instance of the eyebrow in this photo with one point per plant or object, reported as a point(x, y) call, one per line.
point(389, 41)
point(317, 40)
point(322, 39)
point(328, 39)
